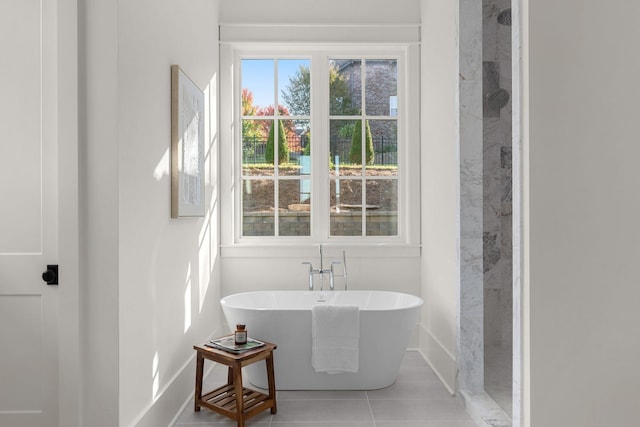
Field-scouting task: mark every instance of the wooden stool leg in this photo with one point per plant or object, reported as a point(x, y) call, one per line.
point(237, 382)
point(230, 375)
point(272, 382)
point(198, 393)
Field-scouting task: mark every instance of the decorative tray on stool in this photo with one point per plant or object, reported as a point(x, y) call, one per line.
point(228, 343)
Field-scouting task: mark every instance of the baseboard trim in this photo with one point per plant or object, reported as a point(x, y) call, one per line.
point(189, 400)
point(164, 406)
point(440, 359)
point(179, 389)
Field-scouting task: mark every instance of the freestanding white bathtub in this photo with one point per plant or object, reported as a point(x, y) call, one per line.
point(387, 320)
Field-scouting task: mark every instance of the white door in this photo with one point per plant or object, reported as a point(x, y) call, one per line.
point(28, 213)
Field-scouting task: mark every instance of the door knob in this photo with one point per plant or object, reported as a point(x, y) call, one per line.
point(51, 275)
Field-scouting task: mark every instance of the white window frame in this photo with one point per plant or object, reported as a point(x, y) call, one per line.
point(408, 239)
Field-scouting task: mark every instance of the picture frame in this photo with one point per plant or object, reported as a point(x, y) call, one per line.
point(187, 146)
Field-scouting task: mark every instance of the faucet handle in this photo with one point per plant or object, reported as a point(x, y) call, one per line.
point(310, 274)
point(331, 274)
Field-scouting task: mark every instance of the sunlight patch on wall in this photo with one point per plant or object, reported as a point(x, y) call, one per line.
point(162, 168)
point(204, 261)
point(187, 301)
point(155, 375)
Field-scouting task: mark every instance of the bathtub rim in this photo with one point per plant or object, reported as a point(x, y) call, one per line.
point(417, 303)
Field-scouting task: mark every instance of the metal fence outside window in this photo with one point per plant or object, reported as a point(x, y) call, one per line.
point(385, 149)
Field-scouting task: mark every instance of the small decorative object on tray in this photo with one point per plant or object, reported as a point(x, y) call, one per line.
point(241, 334)
point(228, 343)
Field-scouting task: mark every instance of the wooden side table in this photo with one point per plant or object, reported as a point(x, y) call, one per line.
point(232, 399)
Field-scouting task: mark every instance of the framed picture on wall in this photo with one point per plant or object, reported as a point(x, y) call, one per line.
point(187, 146)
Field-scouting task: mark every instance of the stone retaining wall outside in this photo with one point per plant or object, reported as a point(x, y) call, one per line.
point(342, 224)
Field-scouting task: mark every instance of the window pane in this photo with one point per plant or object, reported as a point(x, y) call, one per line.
point(276, 149)
point(361, 148)
point(257, 207)
point(340, 139)
point(294, 84)
point(345, 87)
point(346, 207)
point(254, 142)
point(298, 136)
point(384, 160)
point(294, 199)
point(381, 87)
point(257, 86)
point(382, 207)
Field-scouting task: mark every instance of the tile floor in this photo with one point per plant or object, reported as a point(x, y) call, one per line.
point(417, 398)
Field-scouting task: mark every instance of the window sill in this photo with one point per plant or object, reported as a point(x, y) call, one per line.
point(309, 250)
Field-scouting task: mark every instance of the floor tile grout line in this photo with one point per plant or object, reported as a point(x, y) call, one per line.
point(366, 393)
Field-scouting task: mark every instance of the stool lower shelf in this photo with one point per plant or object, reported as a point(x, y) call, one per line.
point(223, 400)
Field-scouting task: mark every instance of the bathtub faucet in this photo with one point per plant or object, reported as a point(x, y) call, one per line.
point(321, 271)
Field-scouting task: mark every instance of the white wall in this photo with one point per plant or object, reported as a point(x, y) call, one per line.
point(98, 206)
point(581, 209)
point(440, 187)
point(320, 12)
point(68, 211)
point(364, 272)
point(169, 284)
point(151, 283)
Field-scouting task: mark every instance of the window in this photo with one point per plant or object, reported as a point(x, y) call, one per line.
point(363, 147)
point(276, 159)
point(322, 145)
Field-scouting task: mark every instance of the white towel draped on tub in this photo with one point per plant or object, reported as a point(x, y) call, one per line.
point(336, 338)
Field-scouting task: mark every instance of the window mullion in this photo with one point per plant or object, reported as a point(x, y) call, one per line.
point(320, 147)
point(276, 153)
point(363, 145)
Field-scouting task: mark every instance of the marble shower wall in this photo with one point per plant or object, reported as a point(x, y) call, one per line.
point(470, 375)
point(485, 353)
point(497, 181)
